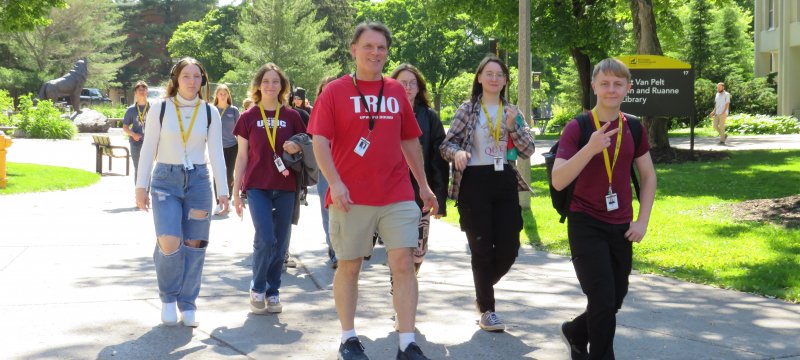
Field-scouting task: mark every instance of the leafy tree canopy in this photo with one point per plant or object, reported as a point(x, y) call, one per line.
point(24, 15)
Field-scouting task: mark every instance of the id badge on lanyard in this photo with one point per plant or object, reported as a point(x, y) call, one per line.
point(361, 146)
point(187, 163)
point(498, 163)
point(279, 165)
point(612, 202)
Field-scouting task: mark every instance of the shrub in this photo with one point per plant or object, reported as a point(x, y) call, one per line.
point(753, 97)
point(44, 120)
point(116, 112)
point(561, 116)
point(762, 124)
point(6, 104)
point(446, 114)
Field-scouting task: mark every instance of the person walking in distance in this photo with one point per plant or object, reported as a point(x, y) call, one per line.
point(600, 226)
point(485, 184)
point(229, 115)
point(133, 123)
point(365, 141)
point(722, 104)
point(180, 186)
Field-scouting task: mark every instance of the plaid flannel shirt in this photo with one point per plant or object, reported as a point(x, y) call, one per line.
point(459, 137)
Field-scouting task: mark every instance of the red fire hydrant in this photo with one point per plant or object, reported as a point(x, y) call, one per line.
point(5, 142)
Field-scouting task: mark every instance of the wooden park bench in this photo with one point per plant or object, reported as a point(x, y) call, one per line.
point(103, 147)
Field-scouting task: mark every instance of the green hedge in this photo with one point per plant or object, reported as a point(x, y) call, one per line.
point(43, 121)
point(762, 124)
point(116, 112)
point(6, 103)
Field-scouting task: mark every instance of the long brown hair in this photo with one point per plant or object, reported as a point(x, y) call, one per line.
point(255, 85)
point(218, 89)
point(422, 85)
point(477, 88)
point(172, 85)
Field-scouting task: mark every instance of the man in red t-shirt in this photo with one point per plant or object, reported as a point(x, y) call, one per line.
point(601, 229)
point(365, 140)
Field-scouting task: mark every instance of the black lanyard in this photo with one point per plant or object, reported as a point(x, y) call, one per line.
point(364, 101)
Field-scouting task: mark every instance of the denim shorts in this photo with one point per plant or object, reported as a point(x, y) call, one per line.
point(174, 192)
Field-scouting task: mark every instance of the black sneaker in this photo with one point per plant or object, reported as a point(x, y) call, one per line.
point(352, 349)
point(412, 352)
point(576, 352)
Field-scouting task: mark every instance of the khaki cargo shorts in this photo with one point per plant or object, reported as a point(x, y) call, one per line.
point(351, 232)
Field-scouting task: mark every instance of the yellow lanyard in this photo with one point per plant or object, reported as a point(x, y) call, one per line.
point(610, 165)
point(185, 136)
point(141, 112)
point(271, 136)
point(494, 130)
point(222, 112)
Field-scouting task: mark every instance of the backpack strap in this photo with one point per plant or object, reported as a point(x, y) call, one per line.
point(584, 121)
point(636, 131)
point(208, 115)
point(164, 108)
point(161, 114)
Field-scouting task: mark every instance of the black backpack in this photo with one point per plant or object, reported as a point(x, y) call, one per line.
point(562, 199)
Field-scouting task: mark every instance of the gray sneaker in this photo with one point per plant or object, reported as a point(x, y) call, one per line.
point(274, 304)
point(490, 322)
point(257, 304)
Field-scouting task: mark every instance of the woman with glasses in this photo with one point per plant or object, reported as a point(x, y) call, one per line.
point(485, 183)
point(436, 169)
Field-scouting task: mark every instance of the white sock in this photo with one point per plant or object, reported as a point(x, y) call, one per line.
point(406, 339)
point(346, 334)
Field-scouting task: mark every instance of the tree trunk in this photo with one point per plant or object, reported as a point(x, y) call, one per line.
point(644, 28)
point(584, 66)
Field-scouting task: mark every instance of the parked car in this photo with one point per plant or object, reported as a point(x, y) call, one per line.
point(89, 97)
point(156, 93)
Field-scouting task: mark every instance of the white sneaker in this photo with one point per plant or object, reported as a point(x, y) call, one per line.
point(257, 304)
point(274, 304)
point(188, 318)
point(169, 313)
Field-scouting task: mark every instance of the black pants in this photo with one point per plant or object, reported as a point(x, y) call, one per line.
point(230, 162)
point(602, 259)
point(488, 206)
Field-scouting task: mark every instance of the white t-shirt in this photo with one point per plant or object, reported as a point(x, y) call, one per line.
point(720, 99)
point(483, 148)
point(165, 145)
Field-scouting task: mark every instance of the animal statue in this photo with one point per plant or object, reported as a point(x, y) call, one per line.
point(70, 85)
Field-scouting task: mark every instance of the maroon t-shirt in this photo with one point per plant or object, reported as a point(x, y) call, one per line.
point(261, 172)
point(591, 185)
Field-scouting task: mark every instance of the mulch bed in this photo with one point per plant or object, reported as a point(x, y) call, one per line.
point(678, 156)
point(783, 211)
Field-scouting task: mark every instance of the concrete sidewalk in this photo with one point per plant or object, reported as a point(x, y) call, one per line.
point(78, 282)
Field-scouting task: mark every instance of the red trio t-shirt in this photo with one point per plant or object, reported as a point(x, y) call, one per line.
point(380, 177)
point(591, 185)
point(261, 172)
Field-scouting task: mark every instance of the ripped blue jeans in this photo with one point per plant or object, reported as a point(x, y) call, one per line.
point(181, 202)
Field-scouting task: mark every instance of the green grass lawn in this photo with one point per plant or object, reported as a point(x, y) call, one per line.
point(26, 178)
point(692, 234)
point(698, 132)
point(675, 133)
